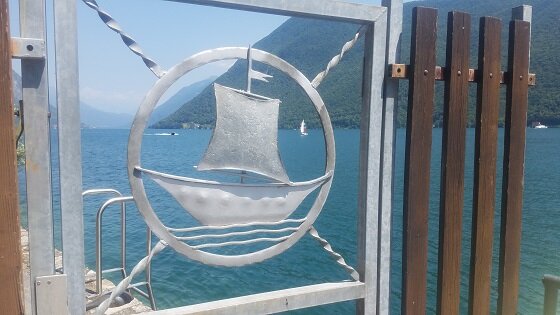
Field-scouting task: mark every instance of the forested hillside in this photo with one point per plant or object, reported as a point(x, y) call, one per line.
point(309, 44)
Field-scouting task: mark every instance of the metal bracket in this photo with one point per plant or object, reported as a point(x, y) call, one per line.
point(402, 71)
point(28, 48)
point(51, 296)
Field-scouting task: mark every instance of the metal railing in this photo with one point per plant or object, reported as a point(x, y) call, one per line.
point(551, 286)
point(99, 271)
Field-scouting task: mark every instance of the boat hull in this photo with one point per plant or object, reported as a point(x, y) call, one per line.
point(214, 203)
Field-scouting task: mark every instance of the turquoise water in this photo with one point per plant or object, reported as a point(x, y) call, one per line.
point(178, 281)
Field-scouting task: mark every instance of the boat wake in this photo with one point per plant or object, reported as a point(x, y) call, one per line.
point(162, 134)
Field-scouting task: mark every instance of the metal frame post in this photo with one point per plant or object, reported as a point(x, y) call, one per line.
point(369, 198)
point(69, 151)
point(37, 143)
point(395, 16)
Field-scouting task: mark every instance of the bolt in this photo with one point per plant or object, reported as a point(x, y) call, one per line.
point(459, 73)
point(520, 77)
point(425, 72)
point(38, 283)
point(491, 75)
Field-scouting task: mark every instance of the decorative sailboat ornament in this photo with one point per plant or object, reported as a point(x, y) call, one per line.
point(244, 142)
point(236, 147)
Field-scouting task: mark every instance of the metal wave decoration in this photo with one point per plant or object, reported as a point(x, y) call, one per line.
point(223, 208)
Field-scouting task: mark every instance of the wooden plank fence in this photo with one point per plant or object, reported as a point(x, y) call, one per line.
point(422, 74)
point(11, 287)
point(486, 147)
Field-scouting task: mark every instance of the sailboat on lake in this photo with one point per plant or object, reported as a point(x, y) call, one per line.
point(303, 128)
point(244, 141)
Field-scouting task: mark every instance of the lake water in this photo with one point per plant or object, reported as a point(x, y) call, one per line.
point(178, 281)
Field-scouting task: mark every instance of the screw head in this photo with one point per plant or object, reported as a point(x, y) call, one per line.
point(425, 72)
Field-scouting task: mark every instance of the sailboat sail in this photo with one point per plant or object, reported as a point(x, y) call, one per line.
point(303, 128)
point(245, 136)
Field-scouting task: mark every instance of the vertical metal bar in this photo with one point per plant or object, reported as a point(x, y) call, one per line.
point(99, 249)
point(551, 286)
point(370, 162)
point(524, 13)
point(148, 251)
point(514, 159)
point(37, 147)
point(456, 96)
point(394, 30)
point(485, 156)
point(417, 160)
point(123, 239)
point(149, 290)
point(70, 157)
point(11, 296)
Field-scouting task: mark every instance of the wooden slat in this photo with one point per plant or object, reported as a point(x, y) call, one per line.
point(453, 162)
point(417, 160)
point(486, 138)
point(11, 301)
point(514, 157)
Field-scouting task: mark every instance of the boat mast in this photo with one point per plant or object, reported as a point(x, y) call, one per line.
point(249, 69)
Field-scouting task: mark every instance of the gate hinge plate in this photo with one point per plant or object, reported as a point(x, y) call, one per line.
point(51, 295)
point(28, 48)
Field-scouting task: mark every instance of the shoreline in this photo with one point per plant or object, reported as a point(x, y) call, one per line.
point(134, 307)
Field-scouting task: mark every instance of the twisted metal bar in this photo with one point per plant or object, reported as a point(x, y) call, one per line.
point(336, 59)
point(123, 285)
point(339, 260)
point(129, 41)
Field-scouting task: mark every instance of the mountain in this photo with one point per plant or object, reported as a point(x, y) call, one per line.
point(309, 44)
point(302, 43)
point(176, 101)
point(94, 118)
point(89, 116)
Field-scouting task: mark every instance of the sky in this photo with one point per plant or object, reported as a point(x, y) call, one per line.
point(113, 79)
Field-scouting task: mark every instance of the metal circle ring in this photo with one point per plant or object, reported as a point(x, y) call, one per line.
point(135, 142)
